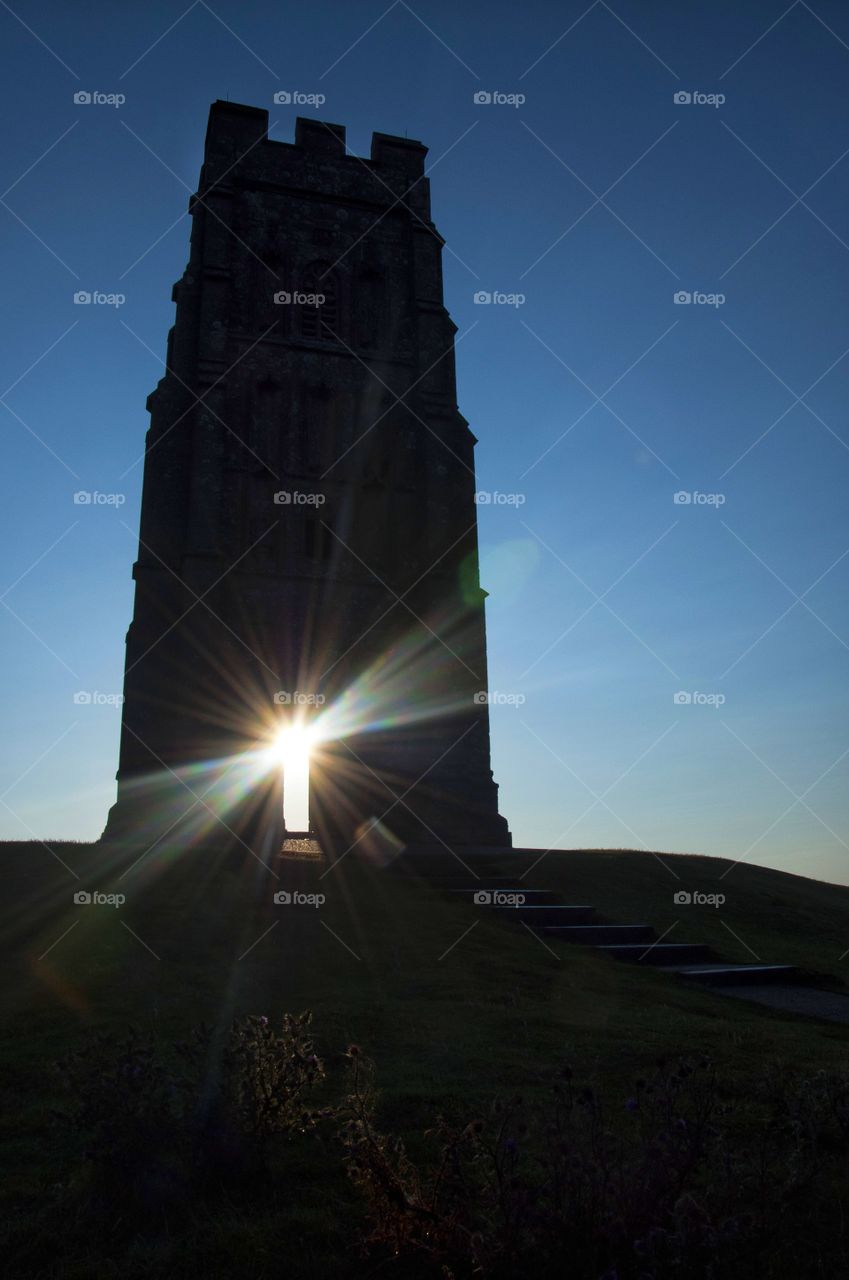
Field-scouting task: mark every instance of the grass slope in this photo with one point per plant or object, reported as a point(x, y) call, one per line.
point(451, 1014)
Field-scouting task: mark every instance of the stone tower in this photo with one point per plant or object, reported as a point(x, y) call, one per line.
point(308, 526)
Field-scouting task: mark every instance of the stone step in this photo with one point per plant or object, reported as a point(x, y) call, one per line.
point(728, 974)
point(548, 913)
point(662, 953)
point(600, 934)
point(566, 922)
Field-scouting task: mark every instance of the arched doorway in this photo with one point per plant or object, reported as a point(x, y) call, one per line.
point(291, 752)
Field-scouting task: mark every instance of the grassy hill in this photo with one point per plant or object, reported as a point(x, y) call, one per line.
point(452, 1014)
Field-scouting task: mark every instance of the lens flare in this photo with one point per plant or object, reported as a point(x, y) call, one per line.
point(289, 751)
point(292, 746)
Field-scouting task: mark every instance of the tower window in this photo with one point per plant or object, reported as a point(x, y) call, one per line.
point(320, 321)
point(371, 308)
point(317, 541)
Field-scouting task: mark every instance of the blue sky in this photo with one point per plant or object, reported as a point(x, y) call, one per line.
point(596, 400)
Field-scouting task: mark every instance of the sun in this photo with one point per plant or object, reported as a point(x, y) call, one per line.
point(291, 746)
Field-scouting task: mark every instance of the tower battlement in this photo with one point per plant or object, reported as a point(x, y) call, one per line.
point(237, 143)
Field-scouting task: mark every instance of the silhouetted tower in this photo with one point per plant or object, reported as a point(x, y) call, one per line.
point(308, 525)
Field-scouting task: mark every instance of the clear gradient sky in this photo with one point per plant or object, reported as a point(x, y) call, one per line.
point(597, 399)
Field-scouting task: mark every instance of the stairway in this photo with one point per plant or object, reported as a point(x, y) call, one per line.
point(542, 911)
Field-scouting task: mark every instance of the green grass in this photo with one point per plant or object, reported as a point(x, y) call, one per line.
point(451, 1020)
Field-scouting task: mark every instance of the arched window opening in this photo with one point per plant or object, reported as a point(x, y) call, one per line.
point(371, 308)
point(320, 319)
point(318, 542)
